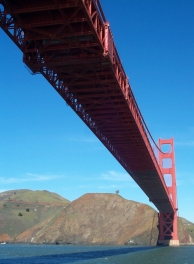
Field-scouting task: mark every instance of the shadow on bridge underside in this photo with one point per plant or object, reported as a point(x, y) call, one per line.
point(75, 256)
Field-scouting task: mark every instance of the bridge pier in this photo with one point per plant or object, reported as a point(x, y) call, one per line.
point(168, 233)
point(168, 230)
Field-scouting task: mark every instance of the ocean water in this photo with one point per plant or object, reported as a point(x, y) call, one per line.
point(59, 254)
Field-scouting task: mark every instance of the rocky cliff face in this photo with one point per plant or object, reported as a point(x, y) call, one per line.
point(98, 219)
point(94, 219)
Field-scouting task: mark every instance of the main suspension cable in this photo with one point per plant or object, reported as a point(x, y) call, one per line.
point(144, 123)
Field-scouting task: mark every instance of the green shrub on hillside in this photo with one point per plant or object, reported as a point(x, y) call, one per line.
point(20, 214)
point(27, 210)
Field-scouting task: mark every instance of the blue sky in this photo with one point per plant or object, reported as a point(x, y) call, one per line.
point(44, 145)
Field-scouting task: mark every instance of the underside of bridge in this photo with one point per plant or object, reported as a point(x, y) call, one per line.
point(70, 43)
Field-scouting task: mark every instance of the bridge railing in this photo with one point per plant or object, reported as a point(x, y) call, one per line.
point(104, 33)
point(131, 101)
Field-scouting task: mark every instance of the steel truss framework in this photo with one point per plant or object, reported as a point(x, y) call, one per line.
point(70, 43)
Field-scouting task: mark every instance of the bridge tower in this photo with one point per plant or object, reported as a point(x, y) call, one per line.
point(168, 231)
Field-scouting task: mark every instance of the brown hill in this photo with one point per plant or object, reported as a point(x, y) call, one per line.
point(97, 219)
point(101, 219)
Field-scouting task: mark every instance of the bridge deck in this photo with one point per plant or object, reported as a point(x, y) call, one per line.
point(71, 45)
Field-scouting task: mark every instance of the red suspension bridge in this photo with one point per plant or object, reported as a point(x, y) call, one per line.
point(70, 43)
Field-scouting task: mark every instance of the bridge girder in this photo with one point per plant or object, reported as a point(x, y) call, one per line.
point(70, 43)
